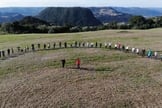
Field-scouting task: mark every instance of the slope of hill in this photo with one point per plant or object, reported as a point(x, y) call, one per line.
point(75, 16)
point(32, 21)
point(107, 14)
point(146, 12)
point(10, 17)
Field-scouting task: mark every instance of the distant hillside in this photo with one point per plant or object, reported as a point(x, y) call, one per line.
point(75, 16)
point(26, 11)
point(10, 17)
point(107, 14)
point(32, 21)
point(146, 12)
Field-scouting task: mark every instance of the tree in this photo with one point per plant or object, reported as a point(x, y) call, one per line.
point(137, 21)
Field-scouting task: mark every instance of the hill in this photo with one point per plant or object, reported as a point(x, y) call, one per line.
point(10, 17)
point(32, 21)
point(74, 16)
point(107, 14)
point(146, 12)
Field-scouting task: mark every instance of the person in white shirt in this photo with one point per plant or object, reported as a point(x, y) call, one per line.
point(110, 45)
point(127, 48)
point(116, 46)
point(137, 51)
point(155, 54)
point(133, 50)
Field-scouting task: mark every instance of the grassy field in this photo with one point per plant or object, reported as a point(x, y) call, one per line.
point(107, 78)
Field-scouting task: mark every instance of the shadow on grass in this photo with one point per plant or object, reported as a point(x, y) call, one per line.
point(83, 68)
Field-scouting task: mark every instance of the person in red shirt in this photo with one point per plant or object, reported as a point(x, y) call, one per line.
point(77, 62)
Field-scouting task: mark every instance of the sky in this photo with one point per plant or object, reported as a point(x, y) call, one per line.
point(80, 3)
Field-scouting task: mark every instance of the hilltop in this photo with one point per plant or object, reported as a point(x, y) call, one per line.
point(108, 14)
point(74, 16)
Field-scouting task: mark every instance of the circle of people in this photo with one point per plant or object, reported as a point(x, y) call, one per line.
point(13, 52)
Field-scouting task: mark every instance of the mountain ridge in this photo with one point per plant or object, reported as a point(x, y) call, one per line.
point(75, 16)
point(108, 14)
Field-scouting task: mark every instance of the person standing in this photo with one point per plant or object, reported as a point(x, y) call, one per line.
point(127, 48)
point(77, 62)
point(3, 53)
point(44, 46)
point(65, 44)
point(59, 44)
point(109, 45)
point(156, 54)
point(33, 48)
point(143, 52)
point(149, 53)
point(38, 46)
point(12, 50)
point(54, 45)
point(96, 44)
point(8, 52)
point(48, 45)
point(63, 61)
point(100, 45)
point(0, 54)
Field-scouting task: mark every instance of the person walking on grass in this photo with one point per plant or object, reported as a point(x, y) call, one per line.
point(77, 62)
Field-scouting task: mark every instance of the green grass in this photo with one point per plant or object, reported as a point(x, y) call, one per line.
point(120, 79)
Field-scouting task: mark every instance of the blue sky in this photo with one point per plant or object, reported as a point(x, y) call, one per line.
point(82, 3)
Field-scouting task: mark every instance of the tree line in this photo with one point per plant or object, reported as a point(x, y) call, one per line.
point(34, 25)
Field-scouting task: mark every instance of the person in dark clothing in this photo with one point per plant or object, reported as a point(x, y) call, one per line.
point(38, 46)
point(3, 53)
point(54, 45)
point(60, 44)
point(123, 47)
point(100, 45)
point(22, 50)
point(65, 44)
point(71, 45)
point(0, 54)
point(75, 44)
point(96, 44)
point(143, 52)
point(44, 46)
point(63, 61)
point(83, 44)
point(33, 48)
point(8, 52)
point(79, 44)
point(18, 49)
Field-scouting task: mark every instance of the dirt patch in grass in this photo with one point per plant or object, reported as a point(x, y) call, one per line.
point(71, 87)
